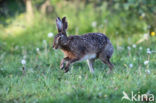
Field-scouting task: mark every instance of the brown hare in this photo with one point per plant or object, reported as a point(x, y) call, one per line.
point(89, 46)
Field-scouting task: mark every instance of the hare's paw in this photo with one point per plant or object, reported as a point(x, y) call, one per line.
point(66, 69)
point(62, 65)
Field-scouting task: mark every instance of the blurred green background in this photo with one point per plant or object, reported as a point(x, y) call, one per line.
point(29, 67)
point(34, 19)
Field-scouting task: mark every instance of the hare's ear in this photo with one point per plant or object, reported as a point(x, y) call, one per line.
point(59, 24)
point(65, 24)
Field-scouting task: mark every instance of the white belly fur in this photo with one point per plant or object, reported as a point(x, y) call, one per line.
point(88, 56)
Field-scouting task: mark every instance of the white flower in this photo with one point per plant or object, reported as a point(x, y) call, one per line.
point(134, 58)
point(146, 62)
point(130, 65)
point(148, 52)
point(94, 24)
point(134, 46)
point(129, 48)
point(143, 15)
point(50, 34)
point(148, 71)
point(80, 77)
point(37, 49)
point(148, 49)
point(140, 48)
point(23, 61)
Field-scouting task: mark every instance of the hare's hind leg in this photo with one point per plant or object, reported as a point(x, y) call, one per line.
point(90, 64)
point(106, 60)
point(110, 65)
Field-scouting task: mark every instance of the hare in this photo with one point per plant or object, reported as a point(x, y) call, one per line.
point(88, 47)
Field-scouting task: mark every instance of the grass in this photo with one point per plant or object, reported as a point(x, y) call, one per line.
point(43, 81)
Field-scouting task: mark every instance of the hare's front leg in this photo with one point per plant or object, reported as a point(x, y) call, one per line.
point(70, 62)
point(63, 61)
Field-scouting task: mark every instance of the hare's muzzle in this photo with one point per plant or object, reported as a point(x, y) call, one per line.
point(53, 46)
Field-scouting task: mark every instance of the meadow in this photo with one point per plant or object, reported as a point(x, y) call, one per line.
point(29, 66)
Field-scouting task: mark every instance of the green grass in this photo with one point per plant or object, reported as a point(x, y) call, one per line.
point(43, 81)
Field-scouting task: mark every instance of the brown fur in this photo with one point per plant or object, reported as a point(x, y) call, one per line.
point(68, 54)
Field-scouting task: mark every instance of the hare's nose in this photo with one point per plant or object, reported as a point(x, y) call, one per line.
point(54, 47)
